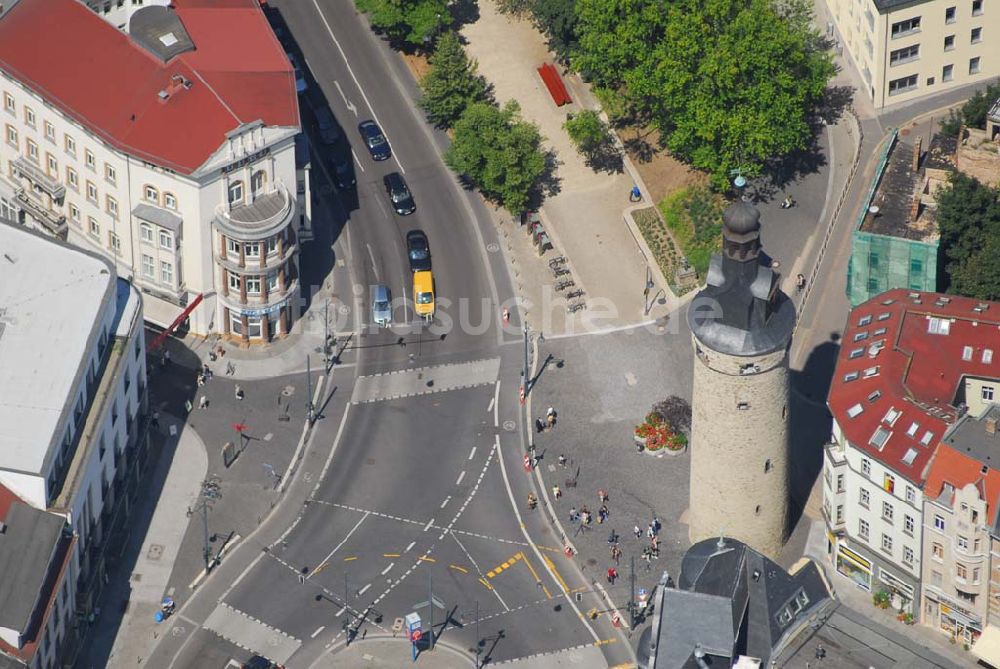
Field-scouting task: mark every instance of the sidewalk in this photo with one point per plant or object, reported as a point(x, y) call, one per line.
point(585, 219)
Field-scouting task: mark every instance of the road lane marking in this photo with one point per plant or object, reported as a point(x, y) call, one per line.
point(347, 103)
point(428, 525)
point(426, 558)
point(356, 82)
point(534, 573)
point(412, 544)
point(386, 570)
point(555, 572)
point(322, 565)
point(490, 407)
point(357, 162)
point(316, 633)
point(364, 589)
point(390, 554)
point(371, 256)
point(348, 559)
point(457, 568)
point(488, 586)
point(478, 570)
point(445, 502)
point(493, 573)
point(340, 612)
point(472, 453)
point(460, 477)
point(496, 405)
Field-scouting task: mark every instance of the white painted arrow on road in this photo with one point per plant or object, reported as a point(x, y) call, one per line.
point(350, 106)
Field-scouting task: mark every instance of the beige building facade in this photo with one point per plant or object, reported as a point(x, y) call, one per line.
point(904, 51)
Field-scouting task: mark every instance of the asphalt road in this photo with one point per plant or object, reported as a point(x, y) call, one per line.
point(417, 497)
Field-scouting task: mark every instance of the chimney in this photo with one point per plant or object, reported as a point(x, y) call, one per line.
point(916, 154)
point(915, 208)
point(991, 426)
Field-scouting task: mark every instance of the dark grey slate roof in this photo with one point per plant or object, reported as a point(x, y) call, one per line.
point(159, 216)
point(27, 545)
point(159, 30)
point(693, 618)
point(969, 436)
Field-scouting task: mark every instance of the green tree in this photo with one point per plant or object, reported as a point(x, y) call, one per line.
point(731, 85)
point(968, 218)
point(614, 37)
point(415, 23)
point(451, 84)
point(590, 134)
point(498, 153)
point(557, 19)
point(972, 114)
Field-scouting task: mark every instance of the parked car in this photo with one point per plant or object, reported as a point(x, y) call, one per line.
point(300, 81)
point(418, 251)
point(327, 124)
point(375, 140)
point(399, 194)
point(259, 662)
point(343, 168)
point(382, 306)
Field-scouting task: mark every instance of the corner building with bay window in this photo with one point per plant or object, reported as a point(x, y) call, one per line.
point(176, 159)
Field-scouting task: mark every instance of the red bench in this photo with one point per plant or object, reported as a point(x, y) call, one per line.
point(557, 89)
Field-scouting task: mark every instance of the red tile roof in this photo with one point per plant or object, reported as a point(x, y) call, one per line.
point(95, 74)
point(958, 469)
point(913, 375)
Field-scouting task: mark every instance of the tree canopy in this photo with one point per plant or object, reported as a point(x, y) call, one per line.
point(968, 218)
point(973, 113)
point(407, 22)
point(451, 84)
point(499, 153)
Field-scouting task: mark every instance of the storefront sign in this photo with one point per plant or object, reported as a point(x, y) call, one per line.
point(243, 162)
point(267, 311)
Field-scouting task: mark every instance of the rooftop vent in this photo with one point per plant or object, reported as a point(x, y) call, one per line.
point(163, 95)
point(168, 39)
point(855, 410)
point(981, 307)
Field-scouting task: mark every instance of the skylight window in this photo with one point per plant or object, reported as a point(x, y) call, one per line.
point(966, 353)
point(886, 303)
point(911, 455)
point(885, 315)
point(861, 336)
point(912, 430)
point(168, 39)
point(851, 376)
point(871, 371)
point(855, 410)
point(881, 331)
point(892, 415)
point(880, 437)
point(926, 439)
point(987, 356)
point(857, 353)
point(874, 396)
point(939, 326)
point(865, 320)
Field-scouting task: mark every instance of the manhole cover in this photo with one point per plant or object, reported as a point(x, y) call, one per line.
point(288, 391)
point(155, 552)
point(509, 425)
point(492, 247)
point(370, 461)
point(591, 561)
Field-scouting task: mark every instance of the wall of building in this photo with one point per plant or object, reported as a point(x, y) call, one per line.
point(739, 449)
point(980, 394)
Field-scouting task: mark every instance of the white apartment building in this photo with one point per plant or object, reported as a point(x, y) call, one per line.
point(908, 49)
point(899, 387)
point(73, 399)
point(176, 158)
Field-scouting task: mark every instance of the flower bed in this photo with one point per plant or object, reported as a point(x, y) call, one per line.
point(655, 434)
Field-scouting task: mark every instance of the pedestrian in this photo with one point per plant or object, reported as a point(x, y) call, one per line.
point(616, 554)
point(539, 425)
point(206, 371)
point(612, 538)
point(602, 495)
point(649, 531)
point(605, 511)
point(612, 575)
point(201, 379)
point(155, 422)
point(166, 357)
point(562, 460)
point(637, 532)
point(239, 393)
point(550, 412)
point(573, 515)
point(203, 402)
point(556, 492)
point(657, 525)
point(550, 421)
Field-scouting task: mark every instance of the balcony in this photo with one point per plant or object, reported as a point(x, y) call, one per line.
point(835, 455)
point(53, 221)
point(33, 173)
point(252, 266)
point(256, 304)
point(266, 215)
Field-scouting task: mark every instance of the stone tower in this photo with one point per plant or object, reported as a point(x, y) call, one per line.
point(741, 326)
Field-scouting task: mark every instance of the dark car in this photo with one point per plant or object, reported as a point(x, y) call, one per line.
point(343, 168)
point(399, 194)
point(327, 125)
point(375, 140)
point(258, 662)
point(418, 251)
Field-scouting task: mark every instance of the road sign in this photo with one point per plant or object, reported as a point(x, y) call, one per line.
point(415, 635)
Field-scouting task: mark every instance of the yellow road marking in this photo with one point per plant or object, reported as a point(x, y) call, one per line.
point(623, 665)
point(348, 559)
point(505, 565)
point(604, 642)
point(552, 568)
point(548, 595)
point(425, 558)
point(390, 554)
point(492, 573)
point(488, 586)
point(580, 589)
point(534, 573)
point(550, 549)
point(461, 569)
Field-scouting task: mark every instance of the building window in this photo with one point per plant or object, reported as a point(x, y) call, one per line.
point(258, 182)
point(169, 201)
point(908, 524)
point(251, 249)
point(863, 528)
point(977, 7)
point(937, 551)
point(92, 192)
point(146, 232)
point(987, 356)
point(975, 575)
point(236, 192)
point(74, 213)
point(986, 393)
point(235, 323)
point(253, 326)
point(235, 281)
point(232, 246)
point(949, 15)
point(904, 55)
point(93, 226)
point(115, 243)
point(272, 245)
point(166, 272)
point(50, 132)
point(974, 65)
point(72, 179)
point(166, 240)
point(961, 571)
point(949, 42)
point(907, 555)
point(886, 543)
point(150, 194)
point(907, 27)
point(963, 543)
point(976, 36)
point(272, 282)
point(902, 85)
point(88, 158)
point(866, 467)
point(966, 353)
point(889, 483)
point(51, 165)
point(148, 267)
point(32, 150)
point(887, 512)
point(840, 513)
point(112, 205)
point(939, 522)
point(864, 498)
point(840, 483)
point(253, 285)
point(947, 73)
point(8, 103)
point(29, 117)
point(70, 145)
point(109, 174)
point(12, 136)
point(911, 494)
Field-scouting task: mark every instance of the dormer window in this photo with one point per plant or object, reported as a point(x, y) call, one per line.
point(235, 192)
point(871, 371)
point(938, 326)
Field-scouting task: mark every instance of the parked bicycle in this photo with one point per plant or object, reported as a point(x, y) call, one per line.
point(558, 260)
point(560, 271)
point(564, 284)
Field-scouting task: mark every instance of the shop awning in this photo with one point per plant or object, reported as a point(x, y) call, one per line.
point(987, 646)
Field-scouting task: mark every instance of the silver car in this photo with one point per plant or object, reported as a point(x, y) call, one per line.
point(382, 306)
